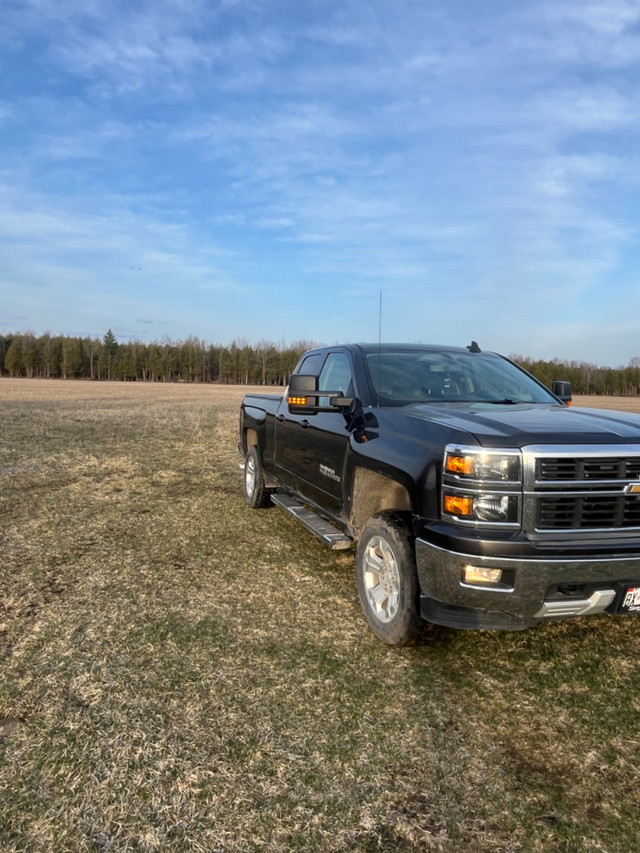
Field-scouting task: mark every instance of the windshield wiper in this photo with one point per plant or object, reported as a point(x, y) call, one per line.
point(504, 401)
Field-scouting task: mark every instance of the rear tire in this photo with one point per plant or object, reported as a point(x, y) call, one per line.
point(387, 580)
point(256, 494)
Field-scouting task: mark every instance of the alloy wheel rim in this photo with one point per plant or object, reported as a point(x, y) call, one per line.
point(250, 476)
point(381, 579)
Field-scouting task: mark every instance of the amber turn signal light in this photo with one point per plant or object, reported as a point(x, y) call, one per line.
point(461, 464)
point(297, 401)
point(458, 505)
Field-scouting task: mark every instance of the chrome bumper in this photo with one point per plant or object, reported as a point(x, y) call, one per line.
point(523, 600)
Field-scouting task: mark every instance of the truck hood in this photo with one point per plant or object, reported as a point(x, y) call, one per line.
point(524, 423)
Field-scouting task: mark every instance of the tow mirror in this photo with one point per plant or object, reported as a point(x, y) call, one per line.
point(303, 397)
point(562, 390)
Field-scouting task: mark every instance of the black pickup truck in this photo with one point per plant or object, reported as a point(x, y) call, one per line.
point(477, 498)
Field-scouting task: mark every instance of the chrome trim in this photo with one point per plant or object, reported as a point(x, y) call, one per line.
point(578, 451)
point(589, 450)
point(585, 532)
point(596, 603)
point(475, 523)
point(488, 587)
point(474, 487)
point(594, 485)
point(581, 492)
point(440, 575)
point(534, 490)
point(477, 450)
point(477, 488)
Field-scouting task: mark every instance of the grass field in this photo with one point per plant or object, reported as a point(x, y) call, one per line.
point(179, 673)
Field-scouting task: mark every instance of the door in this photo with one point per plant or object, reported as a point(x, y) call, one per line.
point(312, 448)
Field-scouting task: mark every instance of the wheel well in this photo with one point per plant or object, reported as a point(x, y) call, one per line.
point(250, 438)
point(374, 493)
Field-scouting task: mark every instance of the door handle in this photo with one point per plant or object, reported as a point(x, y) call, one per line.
point(304, 424)
point(280, 418)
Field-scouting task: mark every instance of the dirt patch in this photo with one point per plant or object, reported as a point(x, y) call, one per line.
point(9, 725)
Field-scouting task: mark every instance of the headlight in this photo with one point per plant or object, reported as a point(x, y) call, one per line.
point(484, 507)
point(495, 508)
point(482, 465)
point(481, 486)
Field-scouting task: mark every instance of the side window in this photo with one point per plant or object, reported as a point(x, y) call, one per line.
point(335, 376)
point(311, 364)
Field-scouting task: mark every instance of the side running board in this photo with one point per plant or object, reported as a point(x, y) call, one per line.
point(324, 530)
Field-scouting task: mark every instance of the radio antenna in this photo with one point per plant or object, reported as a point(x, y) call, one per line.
point(379, 348)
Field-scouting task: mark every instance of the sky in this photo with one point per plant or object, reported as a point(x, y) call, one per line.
point(278, 169)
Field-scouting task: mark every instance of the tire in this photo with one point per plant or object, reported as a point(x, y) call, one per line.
point(256, 494)
point(387, 580)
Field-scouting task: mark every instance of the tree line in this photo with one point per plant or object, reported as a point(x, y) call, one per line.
point(239, 363)
point(192, 360)
point(586, 378)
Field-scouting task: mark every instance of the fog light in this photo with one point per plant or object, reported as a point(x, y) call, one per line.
point(479, 574)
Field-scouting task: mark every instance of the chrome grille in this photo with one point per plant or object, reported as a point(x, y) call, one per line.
point(587, 469)
point(581, 492)
point(593, 512)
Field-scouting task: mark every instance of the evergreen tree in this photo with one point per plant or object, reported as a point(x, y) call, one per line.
point(109, 350)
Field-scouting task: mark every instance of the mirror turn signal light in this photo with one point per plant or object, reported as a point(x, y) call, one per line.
point(297, 401)
point(458, 505)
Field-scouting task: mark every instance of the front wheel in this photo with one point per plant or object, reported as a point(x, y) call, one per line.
point(256, 494)
point(388, 581)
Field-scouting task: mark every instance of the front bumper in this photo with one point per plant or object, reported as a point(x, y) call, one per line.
point(530, 594)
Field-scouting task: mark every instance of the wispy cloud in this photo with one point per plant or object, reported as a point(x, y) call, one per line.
point(584, 33)
point(584, 109)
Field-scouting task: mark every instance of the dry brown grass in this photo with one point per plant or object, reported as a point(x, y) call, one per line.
point(623, 404)
point(178, 673)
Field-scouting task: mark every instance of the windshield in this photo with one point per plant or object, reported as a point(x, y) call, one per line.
point(400, 378)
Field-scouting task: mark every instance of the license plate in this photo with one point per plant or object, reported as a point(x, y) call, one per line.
point(631, 600)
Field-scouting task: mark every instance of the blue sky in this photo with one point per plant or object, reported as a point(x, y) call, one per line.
point(237, 169)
